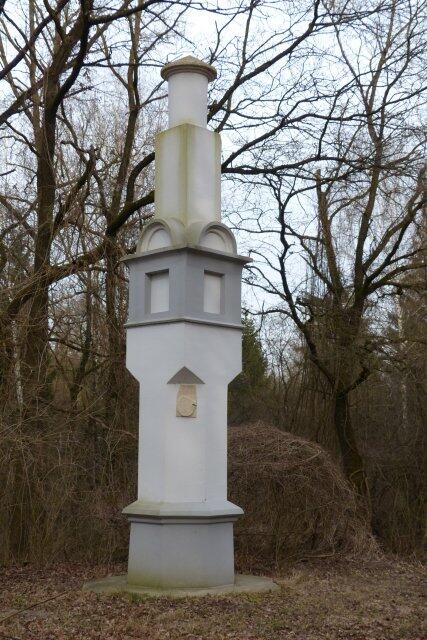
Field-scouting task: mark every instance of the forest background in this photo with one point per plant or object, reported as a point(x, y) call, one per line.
point(320, 106)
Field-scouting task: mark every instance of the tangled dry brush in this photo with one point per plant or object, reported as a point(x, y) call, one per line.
point(297, 503)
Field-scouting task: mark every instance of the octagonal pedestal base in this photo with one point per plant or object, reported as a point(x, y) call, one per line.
point(181, 545)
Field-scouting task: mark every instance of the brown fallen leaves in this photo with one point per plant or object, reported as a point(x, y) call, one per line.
point(377, 600)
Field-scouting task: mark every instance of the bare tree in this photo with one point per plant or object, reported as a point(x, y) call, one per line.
point(73, 194)
point(347, 220)
point(80, 105)
point(329, 128)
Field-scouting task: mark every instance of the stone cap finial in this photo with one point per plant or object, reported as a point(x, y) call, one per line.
point(189, 64)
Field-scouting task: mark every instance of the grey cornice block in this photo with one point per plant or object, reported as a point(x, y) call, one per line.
point(186, 270)
point(183, 510)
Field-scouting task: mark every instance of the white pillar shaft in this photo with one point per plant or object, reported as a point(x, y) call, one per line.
point(188, 99)
point(183, 459)
point(188, 175)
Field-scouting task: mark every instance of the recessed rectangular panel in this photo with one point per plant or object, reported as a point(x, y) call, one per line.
point(213, 293)
point(159, 291)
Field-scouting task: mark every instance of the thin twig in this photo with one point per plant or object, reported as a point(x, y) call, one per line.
point(32, 606)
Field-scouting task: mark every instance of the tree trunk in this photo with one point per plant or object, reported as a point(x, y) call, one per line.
point(80, 373)
point(116, 372)
point(351, 458)
point(35, 353)
point(35, 361)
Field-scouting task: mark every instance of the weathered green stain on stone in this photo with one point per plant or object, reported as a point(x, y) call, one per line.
point(182, 139)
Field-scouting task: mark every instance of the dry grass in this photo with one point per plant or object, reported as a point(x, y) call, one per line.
point(297, 503)
point(376, 600)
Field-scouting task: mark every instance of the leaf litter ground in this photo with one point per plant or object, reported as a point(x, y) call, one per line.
point(376, 600)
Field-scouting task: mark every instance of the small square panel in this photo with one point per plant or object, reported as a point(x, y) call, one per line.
point(213, 292)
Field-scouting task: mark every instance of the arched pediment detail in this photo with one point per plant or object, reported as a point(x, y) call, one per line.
point(214, 235)
point(161, 234)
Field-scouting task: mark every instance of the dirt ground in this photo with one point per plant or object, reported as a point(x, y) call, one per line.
point(378, 600)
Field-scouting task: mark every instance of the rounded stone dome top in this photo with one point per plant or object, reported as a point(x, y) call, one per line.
point(189, 64)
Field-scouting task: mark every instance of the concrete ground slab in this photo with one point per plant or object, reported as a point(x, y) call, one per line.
point(242, 584)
